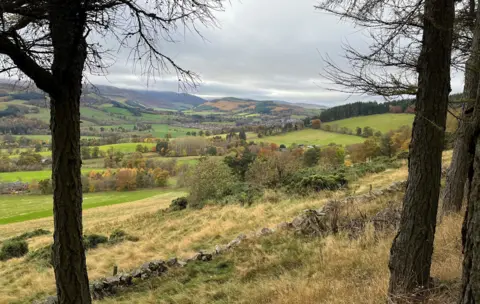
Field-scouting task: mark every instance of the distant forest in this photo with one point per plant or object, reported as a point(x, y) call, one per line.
point(367, 108)
point(372, 107)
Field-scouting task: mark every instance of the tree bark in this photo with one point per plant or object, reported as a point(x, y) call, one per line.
point(411, 252)
point(462, 158)
point(470, 292)
point(67, 26)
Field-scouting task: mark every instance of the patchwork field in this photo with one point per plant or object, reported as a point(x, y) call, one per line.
point(380, 122)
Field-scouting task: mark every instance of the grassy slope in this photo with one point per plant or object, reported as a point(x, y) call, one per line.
point(380, 122)
point(274, 269)
point(19, 208)
point(313, 137)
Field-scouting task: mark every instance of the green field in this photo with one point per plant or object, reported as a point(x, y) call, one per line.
point(19, 208)
point(380, 122)
point(312, 137)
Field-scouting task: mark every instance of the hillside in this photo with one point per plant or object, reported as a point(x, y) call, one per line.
point(278, 267)
point(379, 122)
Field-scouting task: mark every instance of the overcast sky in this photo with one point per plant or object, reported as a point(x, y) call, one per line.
point(262, 49)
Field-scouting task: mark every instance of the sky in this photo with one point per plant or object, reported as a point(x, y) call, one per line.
point(261, 49)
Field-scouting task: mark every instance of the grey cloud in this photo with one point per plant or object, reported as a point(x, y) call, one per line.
point(264, 49)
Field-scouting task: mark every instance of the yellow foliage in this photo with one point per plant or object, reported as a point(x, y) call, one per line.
point(348, 163)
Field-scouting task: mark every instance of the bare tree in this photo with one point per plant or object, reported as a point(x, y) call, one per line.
point(409, 38)
point(53, 42)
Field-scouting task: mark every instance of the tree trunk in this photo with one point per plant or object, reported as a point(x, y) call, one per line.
point(411, 252)
point(462, 158)
point(470, 292)
point(67, 26)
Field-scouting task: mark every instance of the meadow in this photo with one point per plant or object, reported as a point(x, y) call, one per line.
point(312, 137)
point(379, 122)
point(19, 208)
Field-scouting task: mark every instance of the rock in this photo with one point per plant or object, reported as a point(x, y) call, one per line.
point(219, 249)
point(137, 273)
point(265, 231)
point(206, 257)
point(312, 223)
point(172, 262)
point(284, 226)
point(182, 263)
point(236, 241)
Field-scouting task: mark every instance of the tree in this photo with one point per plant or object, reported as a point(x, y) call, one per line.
point(95, 152)
point(358, 131)
point(311, 157)
point(52, 43)
point(367, 132)
point(316, 123)
point(85, 152)
point(394, 59)
point(38, 147)
point(242, 135)
point(412, 248)
point(470, 290)
point(462, 157)
point(387, 147)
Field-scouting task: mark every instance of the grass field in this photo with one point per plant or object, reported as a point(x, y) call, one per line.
point(380, 122)
point(19, 208)
point(312, 137)
point(280, 268)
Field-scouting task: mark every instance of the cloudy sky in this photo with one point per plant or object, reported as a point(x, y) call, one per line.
point(262, 49)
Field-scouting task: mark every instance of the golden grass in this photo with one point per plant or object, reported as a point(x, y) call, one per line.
point(274, 269)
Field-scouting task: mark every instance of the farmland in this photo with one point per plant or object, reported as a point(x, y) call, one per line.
point(380, 122)
point(313, 137)
point(18, 208)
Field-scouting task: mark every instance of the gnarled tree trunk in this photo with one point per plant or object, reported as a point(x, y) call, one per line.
point(470, 293)
point(67, 30)
point(411, 252)
point(462, 158)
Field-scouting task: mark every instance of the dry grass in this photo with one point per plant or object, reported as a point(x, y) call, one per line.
point(275, 269)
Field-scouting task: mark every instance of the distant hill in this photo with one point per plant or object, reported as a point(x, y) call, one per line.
point(149, 98)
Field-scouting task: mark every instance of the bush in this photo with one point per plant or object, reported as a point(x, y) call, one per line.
point(119, 235)
point(13, 249)
point(42, 256)
point(45, 186)
point(178, 204)
point(211, 180)
point(30, 234)
point(311, 180)
point(91, 241)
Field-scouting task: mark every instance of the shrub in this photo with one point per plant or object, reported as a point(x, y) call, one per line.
point(45, 186)
point(13, 249)
point(178, 204)
point(91, 241)
point(119, 235)
point(30, 234)
point(310, 157)
point(211, 180)
point(42, 256)
point(308, 180)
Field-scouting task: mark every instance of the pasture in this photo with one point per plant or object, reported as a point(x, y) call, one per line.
point(379, 122)
point(19, 208)
point(312, 137)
